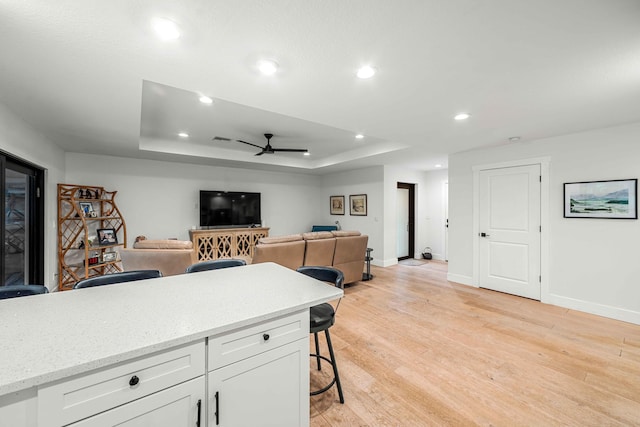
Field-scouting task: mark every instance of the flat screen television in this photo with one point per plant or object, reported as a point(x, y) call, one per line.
point(229, 209)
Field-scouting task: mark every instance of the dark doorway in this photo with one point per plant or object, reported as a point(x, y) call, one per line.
point(405, 220)
point(22, 254)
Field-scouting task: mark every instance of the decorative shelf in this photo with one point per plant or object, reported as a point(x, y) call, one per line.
point(76, 224)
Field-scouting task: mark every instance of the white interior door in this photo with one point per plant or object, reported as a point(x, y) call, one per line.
point(509, 225)
point(445, 204)
point(402, 222)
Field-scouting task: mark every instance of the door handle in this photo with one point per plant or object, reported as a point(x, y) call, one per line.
point(483, 234)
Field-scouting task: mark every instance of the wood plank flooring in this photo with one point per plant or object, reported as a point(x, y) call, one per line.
point(416, 350)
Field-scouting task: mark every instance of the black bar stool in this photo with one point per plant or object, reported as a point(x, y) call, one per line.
point(215, 265)
point(322, 317)
point(110, 279)
point(15, 291)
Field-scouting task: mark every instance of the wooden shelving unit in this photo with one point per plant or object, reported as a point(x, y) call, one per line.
point(82, 210)
point(226, 242)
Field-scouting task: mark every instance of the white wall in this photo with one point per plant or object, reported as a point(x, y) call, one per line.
point(592, 262)
point(367, 181)
point(160, 199)
point(21, 140)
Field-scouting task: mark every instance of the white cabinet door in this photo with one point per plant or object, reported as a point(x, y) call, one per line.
point(269, 389)
point(178, 406)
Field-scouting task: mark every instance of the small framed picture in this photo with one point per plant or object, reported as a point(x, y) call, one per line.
point(87, 209)
point(336, 205)
point(107, 236)
point(358, 204)
point(109, 257)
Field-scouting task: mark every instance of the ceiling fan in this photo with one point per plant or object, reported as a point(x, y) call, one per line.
point(267, 149)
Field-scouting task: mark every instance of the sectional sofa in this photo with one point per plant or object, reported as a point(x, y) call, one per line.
point(344, 250)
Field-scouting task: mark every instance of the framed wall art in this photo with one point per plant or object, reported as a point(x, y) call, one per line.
point(614, 199)
point(336, 204)
point(358, 204)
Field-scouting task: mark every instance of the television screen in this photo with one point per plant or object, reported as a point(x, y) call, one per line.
point(229, 208)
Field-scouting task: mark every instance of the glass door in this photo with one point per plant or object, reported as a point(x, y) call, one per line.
point(21, 260)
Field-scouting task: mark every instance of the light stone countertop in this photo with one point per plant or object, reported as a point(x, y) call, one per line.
point(52, 336)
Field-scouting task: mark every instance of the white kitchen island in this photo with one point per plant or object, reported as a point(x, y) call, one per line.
point(225, 347)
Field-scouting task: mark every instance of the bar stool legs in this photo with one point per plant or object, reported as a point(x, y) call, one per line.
point(334, 365)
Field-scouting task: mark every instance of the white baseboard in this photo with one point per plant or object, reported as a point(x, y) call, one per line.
point(594, 308)
point(385, 262)
point(460, 278)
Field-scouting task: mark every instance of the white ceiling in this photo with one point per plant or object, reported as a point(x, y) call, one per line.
point(92, 76)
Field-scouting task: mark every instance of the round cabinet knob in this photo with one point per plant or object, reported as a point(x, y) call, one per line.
point(265, 337)
point(134, 380)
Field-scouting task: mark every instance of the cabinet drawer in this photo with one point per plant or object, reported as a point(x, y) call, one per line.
point(175, 407)
point(237, 345)
point(73, 399)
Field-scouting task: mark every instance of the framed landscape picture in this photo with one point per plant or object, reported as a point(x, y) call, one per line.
point(336, 204)
point(615, 199)
point(358, 204)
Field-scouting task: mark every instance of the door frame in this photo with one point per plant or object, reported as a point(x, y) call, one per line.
point(544, 163)
point(412, 218)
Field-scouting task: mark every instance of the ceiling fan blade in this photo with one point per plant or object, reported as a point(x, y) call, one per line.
point(221, 138)
point(292, 150)
point(248, 143)
point(260, 153)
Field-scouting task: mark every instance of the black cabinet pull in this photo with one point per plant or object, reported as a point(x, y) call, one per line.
point(134, 380)
point(265, 337)
point(199, 410)
point(217, 413)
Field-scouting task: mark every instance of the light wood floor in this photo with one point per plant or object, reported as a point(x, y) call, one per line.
point(416, 350)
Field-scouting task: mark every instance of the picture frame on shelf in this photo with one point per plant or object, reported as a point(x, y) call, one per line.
point(109, 256)
point(612, 199)
point(107, 236)
point(336, 205)
point(358, 205)
point(86, 208)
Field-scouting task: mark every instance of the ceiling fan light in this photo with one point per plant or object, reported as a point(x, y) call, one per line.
point(268, 67)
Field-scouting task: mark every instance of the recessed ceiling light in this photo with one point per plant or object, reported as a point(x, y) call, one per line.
point(462, 116)
point(366, 72)
point(183, 135)
point(514, 139)
point(268, 67)
point(166, 29)
point(307, 153)
point(438, 165)
point(206, 100)
point(359, 136)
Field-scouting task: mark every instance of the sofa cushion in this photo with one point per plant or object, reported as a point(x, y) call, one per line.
point(315, 235)
point(288, 254)
point(349, 257)
point(168, 261)
point(345, 233)
point(163, 244)
point(320, 251)
point(281, 239)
